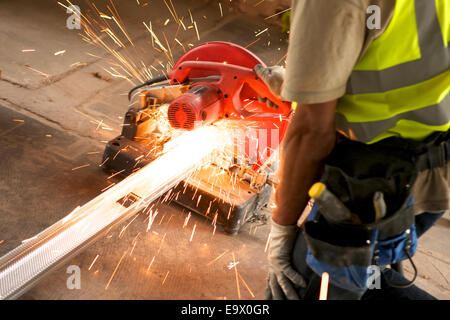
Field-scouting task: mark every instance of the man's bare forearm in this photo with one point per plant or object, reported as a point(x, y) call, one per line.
point(309, 140)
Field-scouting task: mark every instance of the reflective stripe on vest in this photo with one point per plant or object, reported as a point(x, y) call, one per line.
point(401, 85)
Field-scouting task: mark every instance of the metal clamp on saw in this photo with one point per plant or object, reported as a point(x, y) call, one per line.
point(211, 82)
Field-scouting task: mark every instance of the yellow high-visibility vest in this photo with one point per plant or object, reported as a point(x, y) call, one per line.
point(401, 85)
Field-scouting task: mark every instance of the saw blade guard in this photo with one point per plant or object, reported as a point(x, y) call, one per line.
point(237, 84)
point(236, 90)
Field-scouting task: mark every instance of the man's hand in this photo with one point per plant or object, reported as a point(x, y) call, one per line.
point(282, 277)
point(273, 77)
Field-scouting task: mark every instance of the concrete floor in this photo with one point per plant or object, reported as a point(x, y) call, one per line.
point(57, 112)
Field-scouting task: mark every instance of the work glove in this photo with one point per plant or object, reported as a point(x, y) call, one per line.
point(282, 277)
point(273, 77)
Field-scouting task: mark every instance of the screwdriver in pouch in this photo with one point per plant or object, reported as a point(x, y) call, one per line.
point(330, 206)
point(379, 205)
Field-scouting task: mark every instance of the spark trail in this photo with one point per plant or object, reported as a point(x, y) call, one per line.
point(23, 266)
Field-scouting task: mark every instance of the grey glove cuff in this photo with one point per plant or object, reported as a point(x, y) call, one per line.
point(279, 230)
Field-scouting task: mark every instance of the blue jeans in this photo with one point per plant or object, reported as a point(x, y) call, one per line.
point(423, 222)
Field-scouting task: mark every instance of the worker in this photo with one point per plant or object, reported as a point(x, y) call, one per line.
point(368, 77)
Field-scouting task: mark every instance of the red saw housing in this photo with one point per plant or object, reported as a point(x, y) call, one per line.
point(231, 94)
point(199, 106)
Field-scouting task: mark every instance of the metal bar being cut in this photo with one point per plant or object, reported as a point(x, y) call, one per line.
point(21, 268)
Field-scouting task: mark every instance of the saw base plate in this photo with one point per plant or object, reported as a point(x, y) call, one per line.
point(209, 193)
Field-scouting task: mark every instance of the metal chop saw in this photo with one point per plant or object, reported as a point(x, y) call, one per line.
point(210, 85)
point(211, 82)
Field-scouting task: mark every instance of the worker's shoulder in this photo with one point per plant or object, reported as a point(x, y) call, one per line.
point(343, 7)
point(385, 5)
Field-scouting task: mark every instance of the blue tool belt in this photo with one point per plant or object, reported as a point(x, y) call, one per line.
point(347, 253)
point(353, 173)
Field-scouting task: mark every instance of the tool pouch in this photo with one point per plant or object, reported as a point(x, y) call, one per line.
point(345, 257)
point(348, 251)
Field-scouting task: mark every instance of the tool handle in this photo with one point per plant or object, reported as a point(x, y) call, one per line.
point(231, 83)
